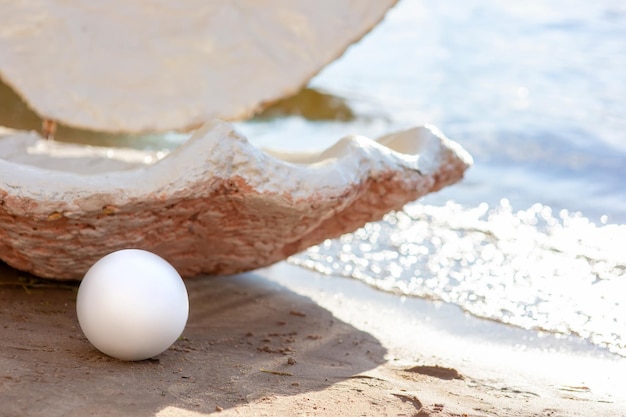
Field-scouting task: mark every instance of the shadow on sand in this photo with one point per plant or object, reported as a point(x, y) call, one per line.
point(246, 339)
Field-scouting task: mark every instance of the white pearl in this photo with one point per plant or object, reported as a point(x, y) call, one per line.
point(132, 305)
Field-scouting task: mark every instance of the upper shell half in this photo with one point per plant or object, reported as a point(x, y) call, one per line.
point(157, 65)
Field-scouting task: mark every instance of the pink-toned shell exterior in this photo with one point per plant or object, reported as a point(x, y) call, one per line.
point(218, 221)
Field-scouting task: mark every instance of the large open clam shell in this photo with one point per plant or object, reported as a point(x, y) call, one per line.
point(157, 65)
point(217, 204)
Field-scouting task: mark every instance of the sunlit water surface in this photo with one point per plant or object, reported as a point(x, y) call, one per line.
point(536, 91)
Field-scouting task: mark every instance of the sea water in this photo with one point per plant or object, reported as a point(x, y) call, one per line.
point(535, 235)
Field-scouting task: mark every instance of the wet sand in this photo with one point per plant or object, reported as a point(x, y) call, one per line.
point(285, 341)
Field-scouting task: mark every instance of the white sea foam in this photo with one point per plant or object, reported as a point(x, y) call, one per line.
point(531, 268)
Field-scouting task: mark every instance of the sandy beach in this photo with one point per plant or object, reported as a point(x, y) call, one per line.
point(283, 341)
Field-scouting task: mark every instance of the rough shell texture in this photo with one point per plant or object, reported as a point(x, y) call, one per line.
point(146, 65)
point(215, 205)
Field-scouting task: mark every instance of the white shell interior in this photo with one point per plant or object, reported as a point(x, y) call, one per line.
point(147, 65)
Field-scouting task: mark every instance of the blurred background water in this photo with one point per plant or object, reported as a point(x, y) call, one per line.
point(536, 91)
point(535, 235)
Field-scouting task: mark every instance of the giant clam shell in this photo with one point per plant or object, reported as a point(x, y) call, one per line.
point(215, 205)
point(159, 65)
